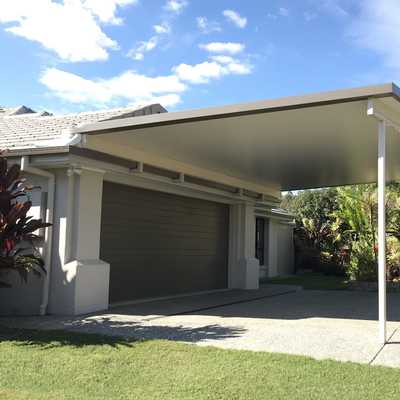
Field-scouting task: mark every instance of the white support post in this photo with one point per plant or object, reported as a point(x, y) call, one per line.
point(382, 230)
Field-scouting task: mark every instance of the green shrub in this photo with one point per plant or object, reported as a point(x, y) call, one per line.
point(331, 268)
point(18, 252)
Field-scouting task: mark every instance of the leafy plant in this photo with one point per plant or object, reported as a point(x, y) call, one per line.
point(314, 244)
point(356, 218)
point(393, 258)
point(340, 226)
point(18, 251)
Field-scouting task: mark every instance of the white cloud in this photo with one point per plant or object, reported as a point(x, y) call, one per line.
point(236, 18)
point(223, 59)
point(377, 28)
point(206, 26)
point(137, 53)
point(199, 73)
point(282, 12)
point(74, 88)
point(168, 100)
point(71, 28)
point(239, 68)
point(134, 88)
point(105, 10)
point(207, 70)
point(145, 46)
point(223, 47)
point(162, 28)
point(129, 86)
point(176, 6)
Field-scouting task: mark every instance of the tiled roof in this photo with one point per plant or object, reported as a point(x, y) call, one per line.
point(22, 128)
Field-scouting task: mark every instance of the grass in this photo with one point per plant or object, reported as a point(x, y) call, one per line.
point(60, 365)
point(313, 281)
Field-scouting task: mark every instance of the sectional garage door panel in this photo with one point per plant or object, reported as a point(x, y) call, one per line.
point(160, 244)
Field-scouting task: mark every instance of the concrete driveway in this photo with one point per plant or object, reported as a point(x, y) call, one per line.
point(338, 325)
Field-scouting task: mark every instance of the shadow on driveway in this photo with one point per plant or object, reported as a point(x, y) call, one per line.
point(313, 304)
point(233, 316)
point(273, 302)
point(111, 325)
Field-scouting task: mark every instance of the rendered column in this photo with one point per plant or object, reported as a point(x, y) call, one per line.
point(382, 231)
point(244, 267)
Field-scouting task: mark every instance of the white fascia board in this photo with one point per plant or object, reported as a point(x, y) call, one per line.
point(291, 102)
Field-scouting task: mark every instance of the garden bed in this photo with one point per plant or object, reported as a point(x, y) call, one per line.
point(320, 281)
point(312, 281)
point(372, 286)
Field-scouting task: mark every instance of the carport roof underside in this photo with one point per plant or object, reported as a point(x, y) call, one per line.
point(309, 141)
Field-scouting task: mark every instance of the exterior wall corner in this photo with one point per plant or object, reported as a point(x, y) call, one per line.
point(80, 280)
point(243, 266)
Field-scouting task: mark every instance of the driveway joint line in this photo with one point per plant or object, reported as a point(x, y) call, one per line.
point(221, 305)
point(381, 348)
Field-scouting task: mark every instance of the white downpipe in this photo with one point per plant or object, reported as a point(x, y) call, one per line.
point(382, 230)
point(26, 167)
point(69, 215)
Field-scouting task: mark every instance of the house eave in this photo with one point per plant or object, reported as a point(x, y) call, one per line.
point(27, 151)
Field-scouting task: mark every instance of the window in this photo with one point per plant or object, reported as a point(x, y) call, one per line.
point(260, 240)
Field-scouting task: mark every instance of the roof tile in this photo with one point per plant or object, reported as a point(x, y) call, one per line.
point(22, 128)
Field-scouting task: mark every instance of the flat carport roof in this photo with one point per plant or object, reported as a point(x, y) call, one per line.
point(327, 139)
point(309, 141)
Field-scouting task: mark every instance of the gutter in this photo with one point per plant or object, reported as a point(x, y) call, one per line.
point(69, 138)
point(52, 146)
point(26, 167)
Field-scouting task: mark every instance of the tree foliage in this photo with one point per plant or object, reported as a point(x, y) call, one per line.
point(355, 227)
point(340, 225)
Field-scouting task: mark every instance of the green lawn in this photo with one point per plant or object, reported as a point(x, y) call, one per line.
point(313, 281)
point(60, 365)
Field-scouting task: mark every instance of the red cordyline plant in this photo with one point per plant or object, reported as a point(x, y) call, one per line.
point(18, 251)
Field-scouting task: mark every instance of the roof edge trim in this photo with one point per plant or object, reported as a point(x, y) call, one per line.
point(236, 110)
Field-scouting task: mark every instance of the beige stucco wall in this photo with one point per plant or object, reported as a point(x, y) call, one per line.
point(79, 280)
point(281, 250)
point(285, 249)
point(243, 268)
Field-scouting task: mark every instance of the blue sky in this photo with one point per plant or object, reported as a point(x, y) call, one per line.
point(76, 55)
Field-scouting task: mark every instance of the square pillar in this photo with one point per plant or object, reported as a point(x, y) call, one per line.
point(80, 280)
point(382, 231)
point(243, 266)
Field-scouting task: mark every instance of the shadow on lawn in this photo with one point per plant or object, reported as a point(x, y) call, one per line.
point(106, 331)
point(48, 339)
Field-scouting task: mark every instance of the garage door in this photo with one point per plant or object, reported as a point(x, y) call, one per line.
point(160, 244)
